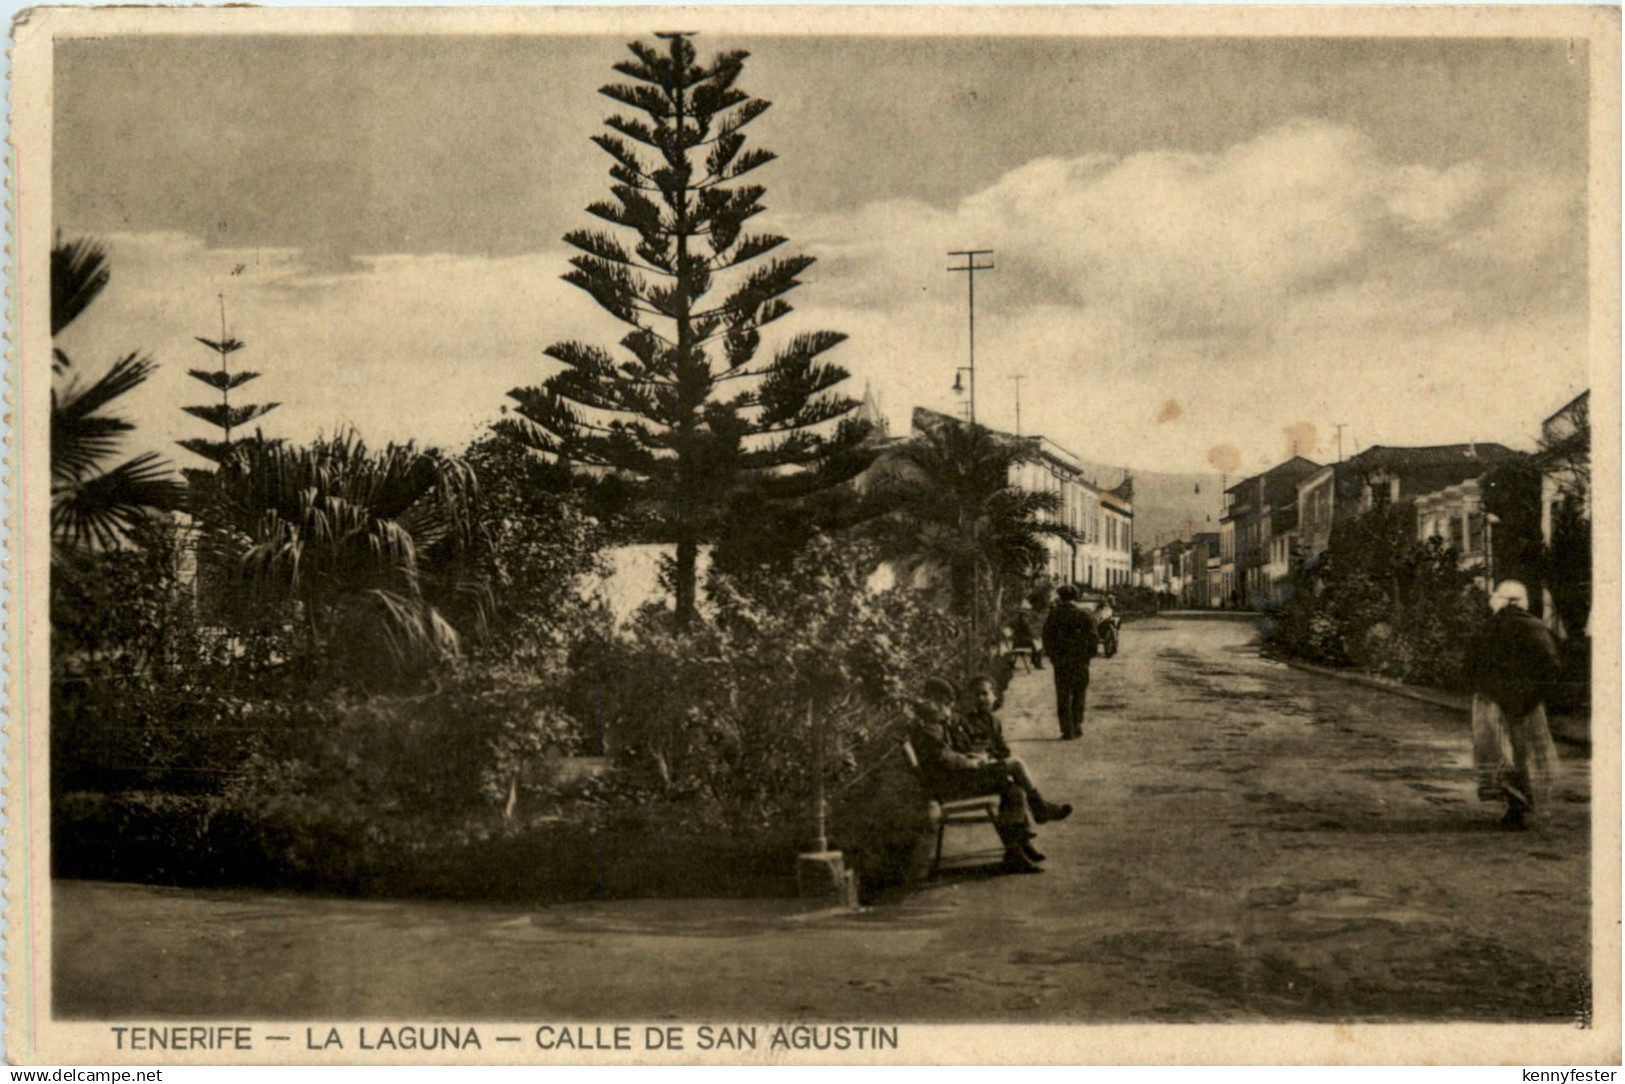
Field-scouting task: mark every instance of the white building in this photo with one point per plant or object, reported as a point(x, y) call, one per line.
point(1101, 520)
point(1116, 549)
point(1455, 516)
point(1565, 461)
point(1316, 495)
point(1228, 587)
point(1056, 470)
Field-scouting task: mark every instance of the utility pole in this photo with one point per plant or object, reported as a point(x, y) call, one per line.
point(1340, 426)
point(970, 269)
point(971, 266)
point(1016, 380)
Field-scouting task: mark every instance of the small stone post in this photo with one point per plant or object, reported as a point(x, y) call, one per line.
point(821, 875)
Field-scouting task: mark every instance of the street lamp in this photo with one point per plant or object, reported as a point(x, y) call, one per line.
point(959, 388)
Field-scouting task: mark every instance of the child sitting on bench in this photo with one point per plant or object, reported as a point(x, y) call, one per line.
point(965, 756)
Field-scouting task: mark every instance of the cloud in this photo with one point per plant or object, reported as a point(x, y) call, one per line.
point(1195, 243)
point(1301, 277)
point(1226, 281)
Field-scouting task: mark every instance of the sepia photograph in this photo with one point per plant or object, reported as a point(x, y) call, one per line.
point(817, 535)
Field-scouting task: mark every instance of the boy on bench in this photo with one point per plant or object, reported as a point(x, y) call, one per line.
point(965, 756)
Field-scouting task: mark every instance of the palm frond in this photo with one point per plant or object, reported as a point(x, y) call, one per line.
point(344, 529)
point(79, 273)
point(81, 436)
point(951, 506)
point(102, 509)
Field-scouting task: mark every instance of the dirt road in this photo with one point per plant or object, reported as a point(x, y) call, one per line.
point(1252, 843)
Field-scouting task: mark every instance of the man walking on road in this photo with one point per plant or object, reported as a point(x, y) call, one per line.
point(1514, 662)
point(1070, 640)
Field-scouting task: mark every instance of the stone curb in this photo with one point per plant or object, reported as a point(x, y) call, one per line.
point(1202, 615)
point(1388, 685)
point(1562, 728)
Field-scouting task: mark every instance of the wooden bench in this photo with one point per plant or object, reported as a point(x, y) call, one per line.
point(983, 809)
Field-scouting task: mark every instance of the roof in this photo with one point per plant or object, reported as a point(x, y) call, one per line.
point(924, 419)
point(1116, 502)
point(1568, 407)
point(1317, 477)
point(1296, 465)
point(1382, 457)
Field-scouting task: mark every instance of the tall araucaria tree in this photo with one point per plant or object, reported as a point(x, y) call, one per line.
point(222, 415)
point(688, 408)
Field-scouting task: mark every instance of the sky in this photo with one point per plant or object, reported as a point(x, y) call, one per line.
point(1209, 252)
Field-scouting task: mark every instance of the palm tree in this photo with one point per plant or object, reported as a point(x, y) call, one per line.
point(954, 511)
point(94, 506)
point(368, 549)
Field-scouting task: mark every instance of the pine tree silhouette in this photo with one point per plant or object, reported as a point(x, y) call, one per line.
point(657, 413)
point(222, 415)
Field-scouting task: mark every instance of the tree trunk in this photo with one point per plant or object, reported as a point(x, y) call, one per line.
point(687, 401)
point(688, 552)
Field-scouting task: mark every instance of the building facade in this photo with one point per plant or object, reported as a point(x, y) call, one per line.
point(1055, 470)
point(1201, 560)
point(1282, 553)
point(1455, 516)
point(1565, 511)
point(1117, 536)
point(1383, 476)
point(1316, 498)
point(1565, 463)
point(1227, 592)
point(1251, 507)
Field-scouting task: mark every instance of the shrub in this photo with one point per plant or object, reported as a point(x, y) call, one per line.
point(721, 719)
point(143, 694)
point(1382, 601)
point(453, 752)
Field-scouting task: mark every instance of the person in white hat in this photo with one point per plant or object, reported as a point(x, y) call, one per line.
point(1513, 663)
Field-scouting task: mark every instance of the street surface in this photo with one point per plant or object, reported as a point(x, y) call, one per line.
point(1251, 843)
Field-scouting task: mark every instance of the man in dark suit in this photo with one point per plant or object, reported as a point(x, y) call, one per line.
point(1070, 640)
point(1513, 664)
point(956, 762)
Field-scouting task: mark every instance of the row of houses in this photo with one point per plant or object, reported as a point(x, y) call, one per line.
point(1285, 515)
